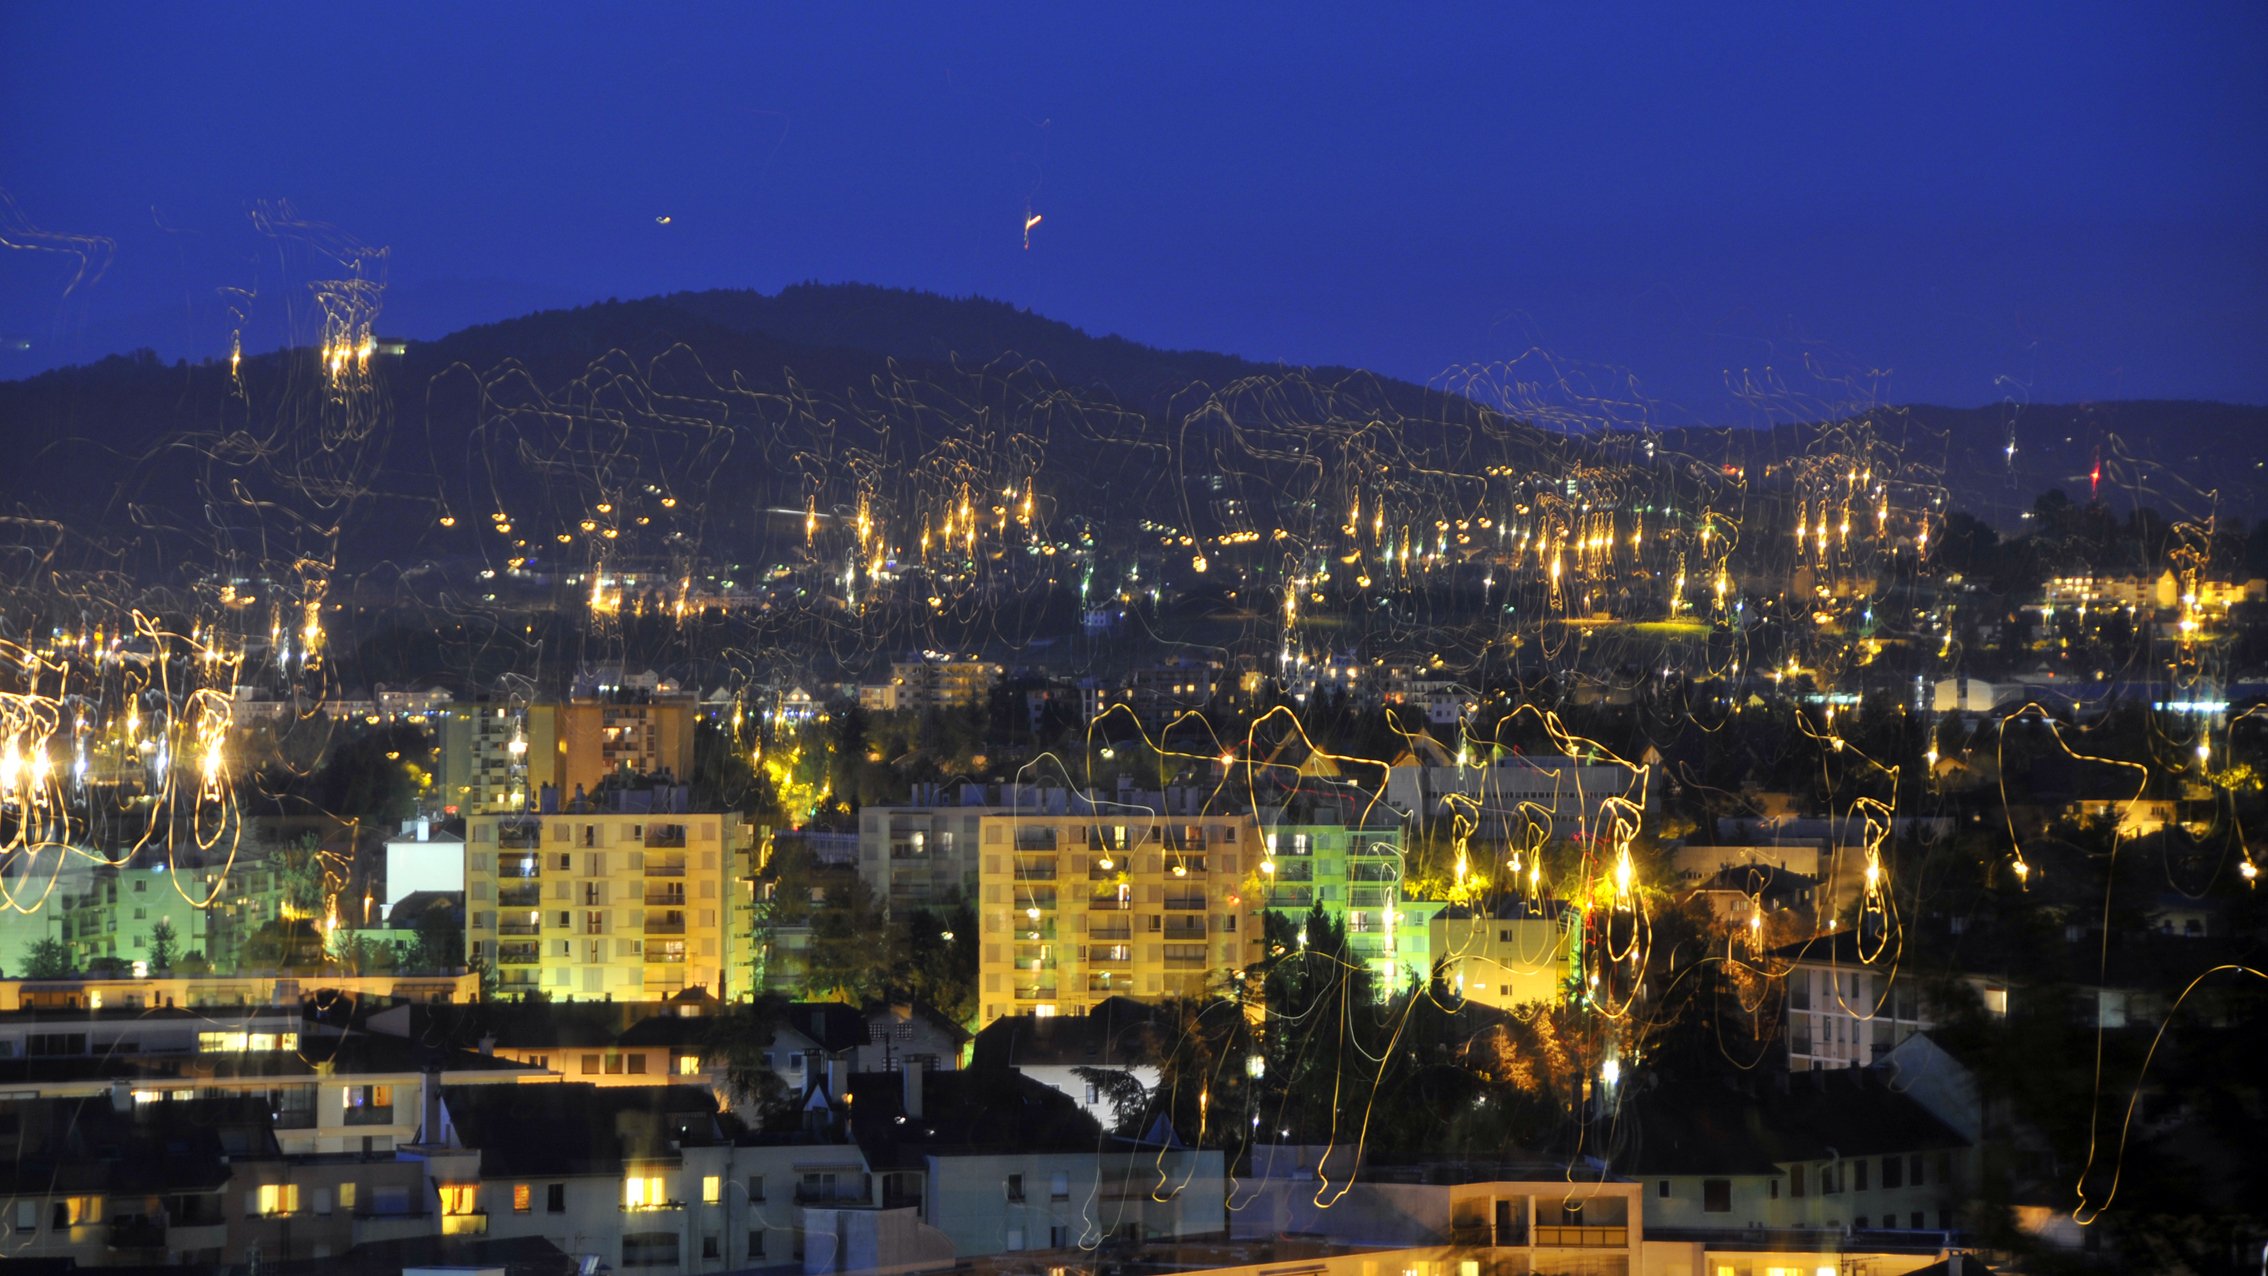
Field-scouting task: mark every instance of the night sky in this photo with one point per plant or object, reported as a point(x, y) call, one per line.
point(2050, 202)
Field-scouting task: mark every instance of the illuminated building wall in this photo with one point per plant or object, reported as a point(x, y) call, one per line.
point(628, 905)
point(482, 773)
point(1075, 909)
point(1354, 873)
point(601, 737)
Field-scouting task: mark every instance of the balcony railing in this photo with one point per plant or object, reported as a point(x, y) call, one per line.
point(657, 955)
point(659, 867)
point(520, 836)
point(520, 897)
point(1184, 928)
point(1107, 957)
point(1184, 958)
point(665, 836)
point(665, 925)
point(1568, 1236)
point(1035, 992)
point(1035, 872)
point(1035, 839)
point(672, 898)
point(1185, 903)
point(520, 866)
point(519, 928)
point(1110, 904)
point(1484, 1234)
point(1120, 934)
point(518, 954)
point(136, 1233)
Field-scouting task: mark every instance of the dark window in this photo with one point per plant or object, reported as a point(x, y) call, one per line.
point(1661, 1189)
point(1893, 1173)
point(1827, 1184)
point(1944, 1169)
point(638, 1064)
point(649, 1249)
point(709, 1247)
point(555, 1198)
point(756, 1243)
point(1015, 1187)
point(1773, 1187)
point(1795, 1182)
point(1915, 1220)
point(1859, 1222)
point(1858, 1176)
point(1914, 1169)
point(1716, 1196)
point(755, 1187)
point(590, 1065)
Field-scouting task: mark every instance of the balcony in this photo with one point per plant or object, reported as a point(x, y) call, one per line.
point(135, 1233)
point(1185, 903)
point(1121, 955)
point(1184, 928)
point(665, 866)
point(195, 1237)
point(1035, 992)
point(518, 954)
point(1110, 904)
point(666, 897)
point(530, 896)
point(831, 1192)
point(1106, 984)
point(665, 836)
point(472, 1223)
point(1567, 1236)
point(659, 954)
point(519, 836)
point(519, 928)
point(1487, 1234)
point(1035, 872)
point(1184, 839)
point(1184, 957)
point(1035, 840)
point(1122, 933)
point(520, 866)
point(665, 925)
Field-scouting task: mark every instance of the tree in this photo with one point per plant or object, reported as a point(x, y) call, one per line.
point(163, 942)
point(737, 1044)
point(940, 965)
point(48, 959)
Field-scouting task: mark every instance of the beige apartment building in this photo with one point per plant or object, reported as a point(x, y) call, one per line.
point(498, 758)
point(1077, 908)
point(623, 904)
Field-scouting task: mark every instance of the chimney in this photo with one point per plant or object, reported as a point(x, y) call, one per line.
point(488, 1044)
point(121, 1097)
point(913, 1079)
point(424, 829)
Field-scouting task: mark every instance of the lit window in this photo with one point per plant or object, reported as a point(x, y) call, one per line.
point(688, 1065)
point(461, 1198)
point(712, 1189)
point(643, 1193)
point(278, 1198)
point(523, 1198)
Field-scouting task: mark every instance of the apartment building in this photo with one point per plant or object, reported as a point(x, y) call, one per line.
point(917, 686)
point(1351, 868)
point(498, 758)
point(1076, 908)
point(494, 756)
point(603, 902)
point(921, 856)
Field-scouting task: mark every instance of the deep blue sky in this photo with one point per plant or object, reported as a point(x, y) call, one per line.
point(2055, 202)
